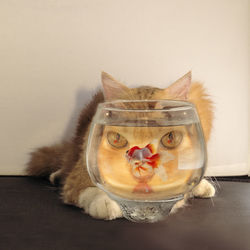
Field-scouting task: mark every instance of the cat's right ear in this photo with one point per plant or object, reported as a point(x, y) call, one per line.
point(113, 89)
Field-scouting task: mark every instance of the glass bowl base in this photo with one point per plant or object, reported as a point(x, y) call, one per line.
point(147, 211)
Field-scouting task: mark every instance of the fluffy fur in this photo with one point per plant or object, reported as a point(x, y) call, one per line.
point(65, 163)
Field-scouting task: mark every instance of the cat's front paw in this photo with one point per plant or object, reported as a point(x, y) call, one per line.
point(204, 190)
point(177, 206)
point(96, 203)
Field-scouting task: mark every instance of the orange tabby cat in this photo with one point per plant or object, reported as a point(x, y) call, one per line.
point(66, 162)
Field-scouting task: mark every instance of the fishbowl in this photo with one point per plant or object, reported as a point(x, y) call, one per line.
point(146, 154)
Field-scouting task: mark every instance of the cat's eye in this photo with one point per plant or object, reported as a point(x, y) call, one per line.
point(116, 140)
point(172, 139)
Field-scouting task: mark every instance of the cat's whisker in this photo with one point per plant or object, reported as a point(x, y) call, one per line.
point(212, 201)
point(215, 183)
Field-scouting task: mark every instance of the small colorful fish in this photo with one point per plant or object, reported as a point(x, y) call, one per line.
point(146, 162)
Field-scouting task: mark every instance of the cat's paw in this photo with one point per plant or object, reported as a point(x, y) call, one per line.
point(204, 190)
point(178, 205)
point(96, 203)
point(55, 177)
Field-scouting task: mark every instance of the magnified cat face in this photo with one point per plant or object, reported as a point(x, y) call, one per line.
point(125, 170)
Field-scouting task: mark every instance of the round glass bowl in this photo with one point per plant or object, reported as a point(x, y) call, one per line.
point(146, 154)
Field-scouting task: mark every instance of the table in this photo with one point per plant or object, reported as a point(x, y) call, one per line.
point(32, 216)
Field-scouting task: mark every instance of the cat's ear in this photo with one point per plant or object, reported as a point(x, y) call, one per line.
point(113, 89)
point(180, 88)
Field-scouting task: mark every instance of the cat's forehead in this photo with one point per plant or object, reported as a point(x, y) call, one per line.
point(144, 92)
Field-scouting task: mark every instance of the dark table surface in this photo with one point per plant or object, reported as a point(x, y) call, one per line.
point(33, 217)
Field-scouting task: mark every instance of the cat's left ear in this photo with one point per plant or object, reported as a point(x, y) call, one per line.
point(113, 89)
point(180, 89)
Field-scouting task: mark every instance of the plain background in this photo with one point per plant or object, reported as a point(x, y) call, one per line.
point(52, 53)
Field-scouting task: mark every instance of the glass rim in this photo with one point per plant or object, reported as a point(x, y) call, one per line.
point(179, 105)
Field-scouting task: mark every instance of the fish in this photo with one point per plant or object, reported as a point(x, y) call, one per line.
point(145, 162)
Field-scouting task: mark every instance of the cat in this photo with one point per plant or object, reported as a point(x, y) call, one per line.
point(65, 163)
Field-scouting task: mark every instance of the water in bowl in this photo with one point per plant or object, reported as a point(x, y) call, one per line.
point(146, 161)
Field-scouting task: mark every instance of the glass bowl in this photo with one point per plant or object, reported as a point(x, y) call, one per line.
point(146, 154)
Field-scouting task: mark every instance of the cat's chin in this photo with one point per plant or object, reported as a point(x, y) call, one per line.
point(97, 204)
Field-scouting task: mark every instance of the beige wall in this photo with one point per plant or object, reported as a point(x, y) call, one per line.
point(52, 52)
